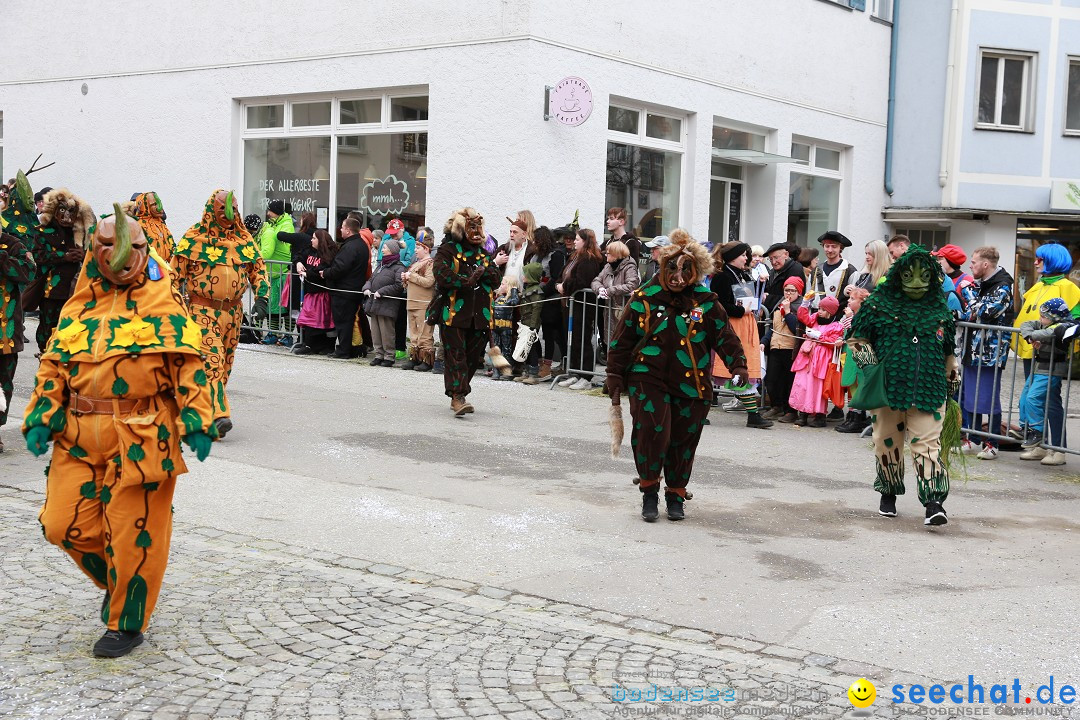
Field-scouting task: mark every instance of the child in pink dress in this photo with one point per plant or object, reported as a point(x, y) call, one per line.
point(811, 364)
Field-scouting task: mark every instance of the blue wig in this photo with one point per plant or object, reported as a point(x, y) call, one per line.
point(1056, 259)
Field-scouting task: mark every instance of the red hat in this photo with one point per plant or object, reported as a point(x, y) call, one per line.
point(395, 226)
point(796, 282)
point(953, 254)
point(829, 304)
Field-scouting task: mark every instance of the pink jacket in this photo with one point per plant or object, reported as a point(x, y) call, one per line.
point(817, 354)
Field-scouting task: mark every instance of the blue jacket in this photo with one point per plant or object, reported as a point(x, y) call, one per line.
point(408, 253)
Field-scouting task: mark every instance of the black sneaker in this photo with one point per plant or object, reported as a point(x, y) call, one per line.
point(224, 425)
point(835, 415)
point(422, 367)
point(935, 514)
point(753, 420)
point(117, 643)
point(887, 508)
point(409, 364)
point(650, 506)
point(674, 507)
point(1034, 439)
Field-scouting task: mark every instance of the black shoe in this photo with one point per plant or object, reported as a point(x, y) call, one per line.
point(303, 350)
point(117, 643)
point(650, 506)
point(887, 507)
point(224, 425)
point(422, 367)
point(408, 365)
point(340, 355)
point(817, 420)
point(105, 607)
point(753, 420)
point(836, 415)
point(853, 424)
point(935, 514)
point(674, 507)
point(1034, 438)
point(438, 368)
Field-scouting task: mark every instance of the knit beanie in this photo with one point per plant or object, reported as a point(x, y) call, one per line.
point(829, 304)
point(796, 282)
point(730, 251)
point(277, 207)
point(1055, 309)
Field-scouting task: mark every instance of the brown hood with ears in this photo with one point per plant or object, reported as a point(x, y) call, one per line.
point(84, 217)
point(681, 242)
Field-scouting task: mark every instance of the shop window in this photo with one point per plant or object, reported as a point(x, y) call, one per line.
point(882, 9)
point(265, 116)
point(1072, 99)
point(409, 109)
point(308, 114)
point(726, 170)
point(1004, 88)
point(644, 168)
point(814, 192)
point(388, 179)
point(725, 138)
point(360, 112)
point(291, 169)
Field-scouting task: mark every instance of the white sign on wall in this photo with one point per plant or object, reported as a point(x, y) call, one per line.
point(1065, 196)
point(570, 102)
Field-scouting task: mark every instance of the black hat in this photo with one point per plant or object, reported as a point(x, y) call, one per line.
point(736, 249)
point(835, 237)
point(563, 232)
point(792, 249)
point(253, 223)
point(277, 207)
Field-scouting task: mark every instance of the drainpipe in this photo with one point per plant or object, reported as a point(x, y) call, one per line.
point(950, 101)
point(889, 129)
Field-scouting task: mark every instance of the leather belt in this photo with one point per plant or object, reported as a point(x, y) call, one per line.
point(215, 304)
point(84, 405)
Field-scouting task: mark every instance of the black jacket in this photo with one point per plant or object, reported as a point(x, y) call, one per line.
point(774, 289)
point(350, 268)
point(551, 311)
point(722, 283)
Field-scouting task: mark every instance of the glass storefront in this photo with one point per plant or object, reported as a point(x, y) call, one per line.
point(330, 156)
point(1033, 232)
point(813, 207)
point(646, 183)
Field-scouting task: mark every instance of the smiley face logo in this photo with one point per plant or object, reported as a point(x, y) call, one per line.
point(862, 693)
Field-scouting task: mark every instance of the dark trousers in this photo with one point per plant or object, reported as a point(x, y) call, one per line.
point(400, 330)
point(365, 329)
point(343, 308)
point(665, 436)
point(8, 363)
point(554, 334)
point(582, 330)
point(779, 379)
point(48, 316)
point(463, 355)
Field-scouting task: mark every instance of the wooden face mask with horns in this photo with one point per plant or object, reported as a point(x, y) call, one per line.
point(120, 248)
point(226, 213)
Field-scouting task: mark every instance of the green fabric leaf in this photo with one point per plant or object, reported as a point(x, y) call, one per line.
point(77, 452)
point(637, 306)
point(95, 565)
point(688, 390)
point(650, 290)
point(650, 350)
point(163, 432)
point(200, 378)
point(167, 465)
point(135, 453)
point(106, 494)
point(134, 612)
point(680, 325)
point(143, 539)
point(639, 368)
point(683, 358)
point(119, 387)
point(88, 490)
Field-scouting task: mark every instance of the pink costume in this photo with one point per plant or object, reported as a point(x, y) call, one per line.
point(811, 364)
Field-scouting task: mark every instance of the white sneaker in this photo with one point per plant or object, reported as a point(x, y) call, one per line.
point(567, 382)
point(1053, 458)
point(969, 448)
point(732, 405)
point(989, 452)
point(582, 384)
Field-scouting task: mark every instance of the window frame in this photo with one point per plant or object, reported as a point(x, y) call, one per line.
point(336, 129)
point(808, 167)
point(1027, 90)
point(921, 230)
point(885, 15)
point(1070, 60)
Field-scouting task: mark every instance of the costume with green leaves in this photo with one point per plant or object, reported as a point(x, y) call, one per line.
point(906, 327)
point(120, 383)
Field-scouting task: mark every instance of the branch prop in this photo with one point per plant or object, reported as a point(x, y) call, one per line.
point(615, 419)
point(34, 168)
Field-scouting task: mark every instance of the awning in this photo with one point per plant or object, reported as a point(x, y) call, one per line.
point(753, 157)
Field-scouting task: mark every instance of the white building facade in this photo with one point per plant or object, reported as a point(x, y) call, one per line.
point(726, 118)
point(987, 129)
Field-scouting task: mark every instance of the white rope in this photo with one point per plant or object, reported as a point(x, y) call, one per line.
point(395, 297)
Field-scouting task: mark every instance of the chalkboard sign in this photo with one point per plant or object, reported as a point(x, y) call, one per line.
point(734, 210)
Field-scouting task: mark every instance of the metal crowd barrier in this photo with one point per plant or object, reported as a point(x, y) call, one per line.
point(1007, 381)
point(588, 335)
point(281, 324)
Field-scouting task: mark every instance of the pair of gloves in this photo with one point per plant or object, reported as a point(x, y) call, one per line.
point(38, 437)
point(260, 310)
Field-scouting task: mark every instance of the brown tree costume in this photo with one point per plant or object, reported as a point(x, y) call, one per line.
point(661, 354)
point(465, 277)
point(61, 246)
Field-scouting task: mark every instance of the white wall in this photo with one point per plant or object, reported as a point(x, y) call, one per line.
point(160, 108)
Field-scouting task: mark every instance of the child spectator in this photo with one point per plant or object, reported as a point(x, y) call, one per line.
point(315, 316)
point(1052, 348)
point(503, 305)
point(780, 343)
point(384, 292)
point(531, 308)
point(421, 288)
point(813, 362)
point(856, 420)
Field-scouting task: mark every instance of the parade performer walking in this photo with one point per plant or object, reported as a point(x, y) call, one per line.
point(660, 355)
point(17, 268)
point(121, 381)
point(217, 260)
point(465, 278)
point(150, 214)
point(905, 328)
point(59, 253)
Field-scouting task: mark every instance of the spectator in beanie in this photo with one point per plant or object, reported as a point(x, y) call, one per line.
point(780, 344)
point(1047, 336)
point(254, 224)
point(782, 257)
point(316, 318)
point(617, 279)
point(420, 289)
point(584, 266)
point(384, 292)
point(814, 362)
point(278, 258)
point(348, 273)
point(552, 258)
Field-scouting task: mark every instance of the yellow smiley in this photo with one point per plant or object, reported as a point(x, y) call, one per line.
point(862, 693)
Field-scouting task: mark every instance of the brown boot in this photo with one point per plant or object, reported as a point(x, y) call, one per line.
point(545, 369)
point(460, 406)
